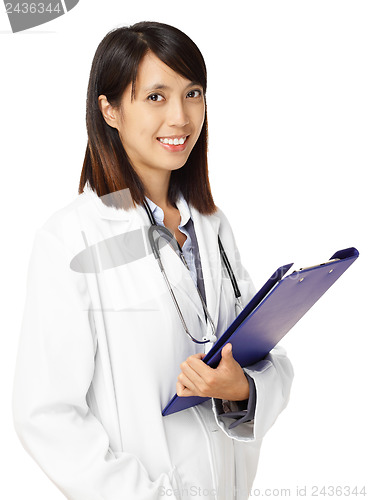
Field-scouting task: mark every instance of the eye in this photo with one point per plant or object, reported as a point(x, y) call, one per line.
point(155, 97)
point(194, 93)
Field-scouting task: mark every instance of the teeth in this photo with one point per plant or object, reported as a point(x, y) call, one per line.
point(174, 142)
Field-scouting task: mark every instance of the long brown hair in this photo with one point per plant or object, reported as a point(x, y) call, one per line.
point(106, 166)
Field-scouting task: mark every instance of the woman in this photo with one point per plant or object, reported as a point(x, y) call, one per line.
point(103, 348)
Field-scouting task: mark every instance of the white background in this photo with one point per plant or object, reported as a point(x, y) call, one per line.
point(288, 122)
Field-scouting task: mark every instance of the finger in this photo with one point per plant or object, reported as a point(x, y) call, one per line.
point(199, 355)
point(198, 366)
point(187, 381)
point(191, 376)
point(182, 391)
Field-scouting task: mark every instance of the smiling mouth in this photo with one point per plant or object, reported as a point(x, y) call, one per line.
point(173, 141)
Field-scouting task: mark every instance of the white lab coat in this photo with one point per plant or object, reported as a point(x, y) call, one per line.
point(99, 357)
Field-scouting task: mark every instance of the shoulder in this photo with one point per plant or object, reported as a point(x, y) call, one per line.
point(216, 217)
point(77, 222)
point(61, 220)
point(58, 238)
point(221, 214)
point(218, 220)
point(218, 223)
point(91, 210)
point(87, 220)
point(225, 229)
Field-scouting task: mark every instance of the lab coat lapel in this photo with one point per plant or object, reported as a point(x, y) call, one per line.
point(206, 228)
point(177, 274)
point(181, 280)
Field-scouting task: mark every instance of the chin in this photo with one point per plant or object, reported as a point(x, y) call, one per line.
point(173, 165)
point(180, 165)
point(177, 167)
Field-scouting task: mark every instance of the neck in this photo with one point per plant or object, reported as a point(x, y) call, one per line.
point(157, 186)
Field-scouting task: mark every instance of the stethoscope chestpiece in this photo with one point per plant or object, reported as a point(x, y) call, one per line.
point(209, 338)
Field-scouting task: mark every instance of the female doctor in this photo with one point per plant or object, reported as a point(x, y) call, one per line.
point(110, 332)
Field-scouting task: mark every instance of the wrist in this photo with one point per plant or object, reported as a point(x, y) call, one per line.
point(243, 391)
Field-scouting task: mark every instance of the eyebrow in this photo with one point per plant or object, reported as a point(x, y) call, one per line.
point(162, 86)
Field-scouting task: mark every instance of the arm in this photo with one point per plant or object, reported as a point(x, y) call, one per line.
point(54, 370)
point(269, 380)
point(272, 377)
point(241, 411)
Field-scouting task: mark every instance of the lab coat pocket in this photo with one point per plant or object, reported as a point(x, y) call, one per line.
point(166, 485)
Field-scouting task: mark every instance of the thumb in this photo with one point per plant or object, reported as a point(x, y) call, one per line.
point(227, 352)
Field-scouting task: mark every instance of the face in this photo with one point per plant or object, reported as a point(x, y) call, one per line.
point(161, 125)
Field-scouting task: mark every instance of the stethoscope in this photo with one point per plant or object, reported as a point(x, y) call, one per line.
point(164, 232)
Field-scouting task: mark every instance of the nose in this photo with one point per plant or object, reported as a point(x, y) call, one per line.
point(177, 114)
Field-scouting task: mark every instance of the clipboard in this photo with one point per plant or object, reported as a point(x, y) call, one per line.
point(271, 313)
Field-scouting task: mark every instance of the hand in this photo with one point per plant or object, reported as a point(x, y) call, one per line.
point(227, 381)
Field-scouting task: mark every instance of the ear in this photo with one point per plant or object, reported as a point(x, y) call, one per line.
point(108, 112)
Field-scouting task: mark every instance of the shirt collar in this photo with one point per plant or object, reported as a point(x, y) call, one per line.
point(181, 204)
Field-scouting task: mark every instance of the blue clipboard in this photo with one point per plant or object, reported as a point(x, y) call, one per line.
point(272, 312)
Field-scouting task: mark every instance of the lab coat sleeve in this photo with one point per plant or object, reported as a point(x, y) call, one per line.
point(272, 376)
point(241, 411)
point(54, 369)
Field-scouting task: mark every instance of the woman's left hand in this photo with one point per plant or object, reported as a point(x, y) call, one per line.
point(227, 381)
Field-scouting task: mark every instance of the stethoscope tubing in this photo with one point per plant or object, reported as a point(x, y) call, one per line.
point(173, 242)
point(156, 253)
